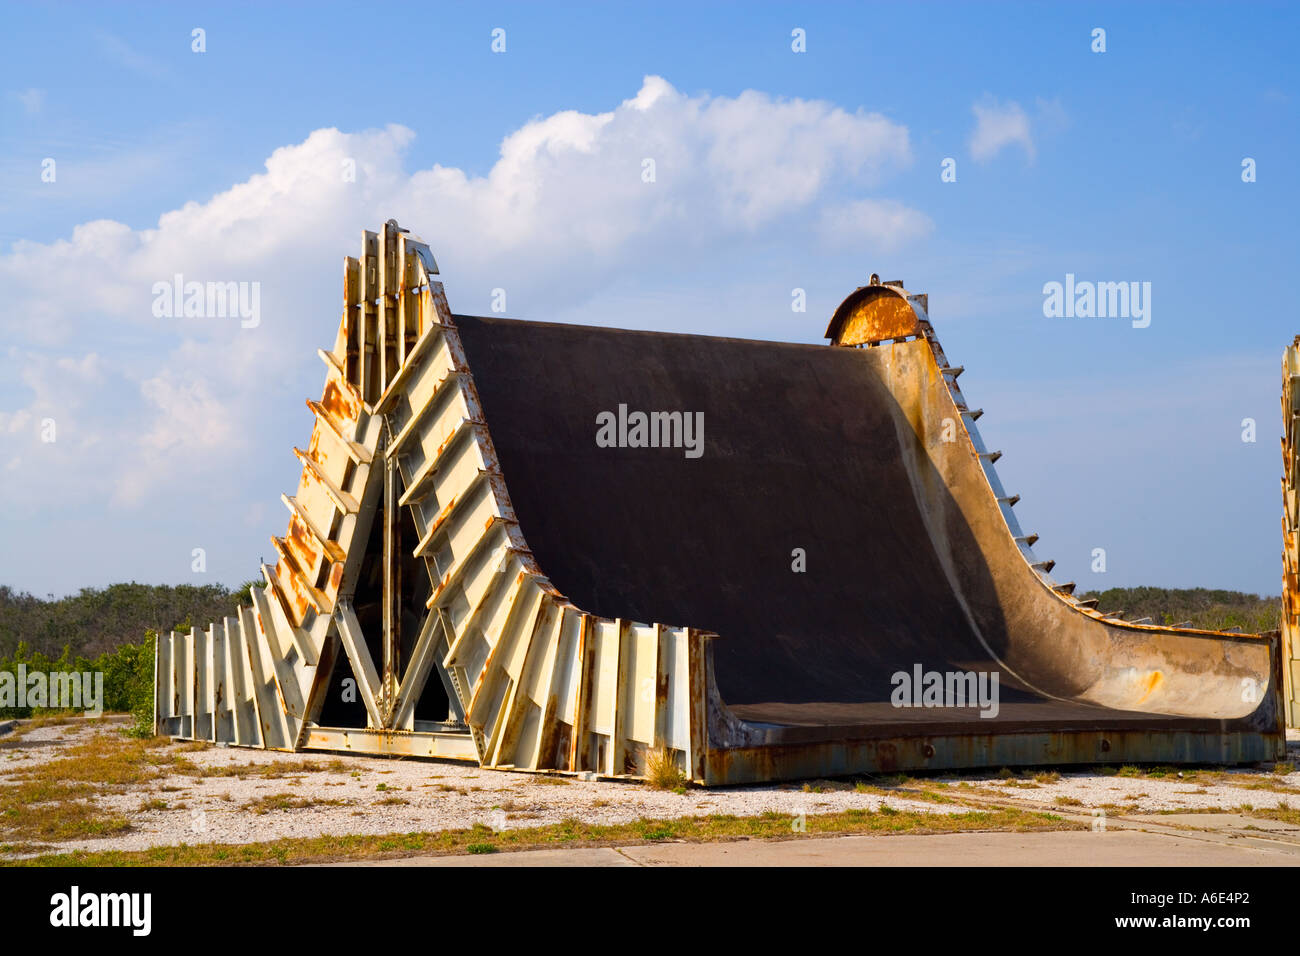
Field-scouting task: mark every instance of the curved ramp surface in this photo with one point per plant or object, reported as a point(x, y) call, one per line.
point(799, 452)
point(804, 447)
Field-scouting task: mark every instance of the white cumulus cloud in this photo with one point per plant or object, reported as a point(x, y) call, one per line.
point(567, 211)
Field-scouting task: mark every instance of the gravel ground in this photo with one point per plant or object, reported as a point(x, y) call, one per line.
point(366, 795)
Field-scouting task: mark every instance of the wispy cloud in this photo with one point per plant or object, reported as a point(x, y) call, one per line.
point(32, 100)
point(997, 126)
point(121, 53)
point(881, 224)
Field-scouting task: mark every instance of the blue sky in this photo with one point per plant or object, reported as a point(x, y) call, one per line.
point(775, 170)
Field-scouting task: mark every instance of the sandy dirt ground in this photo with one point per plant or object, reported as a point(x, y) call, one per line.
point(261, 796)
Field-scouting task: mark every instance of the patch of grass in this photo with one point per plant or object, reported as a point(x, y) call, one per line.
point(1005, 774)
point(571, 832)
point(896, 780)
point(935, 797)
point(1047, 776)
point(393, 802)
point(62, 819)
point(929, 796)
point(545, 780)
point(287, 801)
point(26, 725)
point(104, 761)
point(481, 848)
point(1249, 781)
point(661, 770)
point(828, 786)
point(983, 792)
point(24, 848)
point(55, 800)
point(1068, 801)
point(154, 804)
point(1284, 767)
point(50, 720)
point(267, 770)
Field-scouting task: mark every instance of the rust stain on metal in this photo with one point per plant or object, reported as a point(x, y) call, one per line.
point(442, 447)
point(874, 313)
point(1152, 683)
point(314, 446)
point(302, 543)
point(310, 479)
point(436, 525)
point(295, 603)
point(442, 586)
point(342, 403)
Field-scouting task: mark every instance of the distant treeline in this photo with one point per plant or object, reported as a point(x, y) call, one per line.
point(1204, 607)
point(95, 621)
point(111, 630)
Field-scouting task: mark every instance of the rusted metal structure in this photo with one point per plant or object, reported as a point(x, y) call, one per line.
point(556, 547)
point(1291, 531)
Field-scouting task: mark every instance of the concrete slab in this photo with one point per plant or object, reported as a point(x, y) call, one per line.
point(1063, 848)
point(1215, 821)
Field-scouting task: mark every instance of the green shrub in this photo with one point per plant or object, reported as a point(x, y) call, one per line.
point(128, 679)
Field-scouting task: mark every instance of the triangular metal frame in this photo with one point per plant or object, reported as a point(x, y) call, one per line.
point(531, 680)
